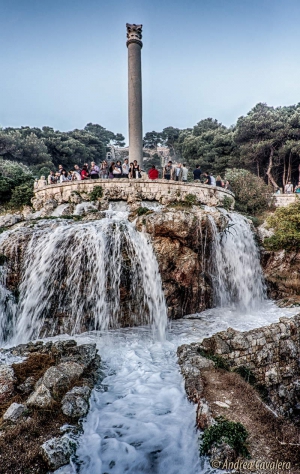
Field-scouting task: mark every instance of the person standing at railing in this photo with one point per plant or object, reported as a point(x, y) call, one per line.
point(184, 173)
point(297, 188)
point(125, 169)
point(94, 171)
point(289, 188)
point(84, 172)
point(197, 173)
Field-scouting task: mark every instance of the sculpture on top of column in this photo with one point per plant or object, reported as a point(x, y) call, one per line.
point(134, 34)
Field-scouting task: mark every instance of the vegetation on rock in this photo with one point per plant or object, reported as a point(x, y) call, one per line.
point(224, 431)
point(96, 194)
point(286, 224)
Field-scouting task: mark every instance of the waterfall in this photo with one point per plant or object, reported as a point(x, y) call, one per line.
point(235, 264)
point(79, 276)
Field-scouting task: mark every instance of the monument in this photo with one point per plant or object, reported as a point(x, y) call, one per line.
point(135, 121)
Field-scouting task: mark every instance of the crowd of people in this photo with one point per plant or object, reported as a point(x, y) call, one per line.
point(179, 172)
point(112, 170)
point(105, 171)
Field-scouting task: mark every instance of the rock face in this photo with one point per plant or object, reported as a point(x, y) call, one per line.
point(282, 274)
point(181, 240)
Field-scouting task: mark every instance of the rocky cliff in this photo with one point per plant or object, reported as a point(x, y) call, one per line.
point(181, 237)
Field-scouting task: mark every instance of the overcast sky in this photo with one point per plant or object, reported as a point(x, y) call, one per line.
point(64, 62)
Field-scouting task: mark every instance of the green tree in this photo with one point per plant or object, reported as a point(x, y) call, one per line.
point(286, 224)
point(152, 140)
point(252, 195)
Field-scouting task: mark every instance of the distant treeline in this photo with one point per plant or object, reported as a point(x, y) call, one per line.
point(44, 149)
point(266, 142)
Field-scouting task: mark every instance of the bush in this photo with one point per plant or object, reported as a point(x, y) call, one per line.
point(252, 195)
point(190, 199)
point(142, 210)
point(16, 181)
point(96, 194)
point(21, 195)
point(224, 431)
point(286, 224)
point(227, 203)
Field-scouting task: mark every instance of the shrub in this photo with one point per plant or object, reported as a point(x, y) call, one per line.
point(252, 195)
point(142, 210)
point(21, 195)
point(227, 203)
point(190, 199)
point(286, 224)
point(219, 362)
point(96, 194)
point(224, 431)
point(16, 183)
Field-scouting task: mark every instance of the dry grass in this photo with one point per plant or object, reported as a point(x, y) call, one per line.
point(270, 438)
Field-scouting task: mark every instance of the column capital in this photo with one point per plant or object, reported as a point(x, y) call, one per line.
point(134, 34)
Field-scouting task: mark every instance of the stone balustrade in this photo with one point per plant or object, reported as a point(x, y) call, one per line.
point(283, 200)
point(131, 190)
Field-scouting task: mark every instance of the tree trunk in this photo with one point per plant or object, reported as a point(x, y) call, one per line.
point(284, 173)
point(269, 170)
point(290, 168)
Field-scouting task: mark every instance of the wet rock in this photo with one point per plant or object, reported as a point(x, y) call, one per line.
point(75, 403)
point(56, 452)
point(7, 382)
point(40, 398)
point(14, 412)
point(83, 354)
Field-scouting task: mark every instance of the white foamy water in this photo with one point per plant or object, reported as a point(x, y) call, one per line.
point(235, 265)
point(76, 270)
point(140, 420)
point(59, 210)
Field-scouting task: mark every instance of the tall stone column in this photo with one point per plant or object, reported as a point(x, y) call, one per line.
point(135, 120)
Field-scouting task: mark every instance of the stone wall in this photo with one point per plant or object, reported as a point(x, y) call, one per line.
point(159, 190)
point(283, 200)
point(272, 353)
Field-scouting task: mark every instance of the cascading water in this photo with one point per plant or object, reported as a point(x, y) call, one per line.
point(74, 276)
point(139, 419)
point(235, 265)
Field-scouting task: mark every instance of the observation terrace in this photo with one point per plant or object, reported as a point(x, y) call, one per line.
point(131, 190)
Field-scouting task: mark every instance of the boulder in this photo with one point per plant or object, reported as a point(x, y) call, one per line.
point(55, 380)
point(75, 403)
point(40, 398)
point(73, 370)
point(83, 354)
point(7, 381)
point(14, 412)
point(56, 452)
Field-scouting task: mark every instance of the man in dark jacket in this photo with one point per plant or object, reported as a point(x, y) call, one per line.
point(197, 172)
